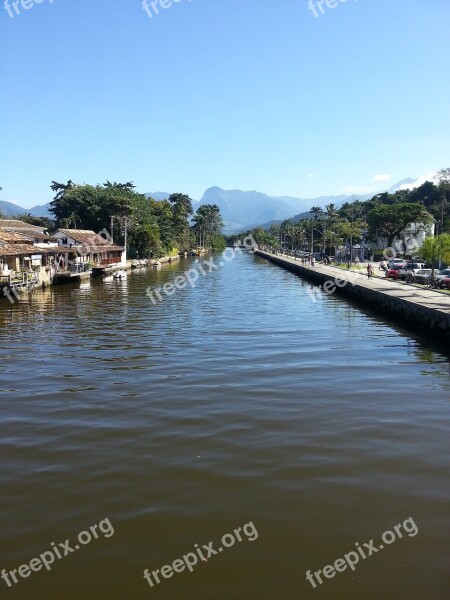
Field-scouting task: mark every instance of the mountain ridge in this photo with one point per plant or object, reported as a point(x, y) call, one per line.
point(241, 209)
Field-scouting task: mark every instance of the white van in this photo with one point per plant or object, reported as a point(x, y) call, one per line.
point(396, 262)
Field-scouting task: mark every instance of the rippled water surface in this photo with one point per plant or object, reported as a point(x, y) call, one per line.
point(245, 399)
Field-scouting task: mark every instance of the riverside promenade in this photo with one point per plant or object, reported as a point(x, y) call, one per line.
point(420, 309)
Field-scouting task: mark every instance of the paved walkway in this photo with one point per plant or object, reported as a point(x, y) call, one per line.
point(426, 297)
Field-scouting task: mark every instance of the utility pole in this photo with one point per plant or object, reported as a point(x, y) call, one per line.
point(112, 230)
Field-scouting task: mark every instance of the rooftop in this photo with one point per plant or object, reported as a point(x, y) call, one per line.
point(19, 249)
point(7, 224)
point(8, 237)
point(86, 237)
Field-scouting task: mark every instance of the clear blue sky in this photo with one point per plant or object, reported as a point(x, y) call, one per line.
point(248, 94)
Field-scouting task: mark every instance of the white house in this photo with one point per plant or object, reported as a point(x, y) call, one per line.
point(410, 240)
point(23, 254)
point(88, 249)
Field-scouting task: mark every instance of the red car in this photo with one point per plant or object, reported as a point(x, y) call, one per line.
point(394, 272)
point(445, 283)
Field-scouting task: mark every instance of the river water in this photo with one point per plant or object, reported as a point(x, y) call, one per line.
point(245, 401)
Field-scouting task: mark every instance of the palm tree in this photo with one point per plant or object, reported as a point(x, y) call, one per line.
point(286, 230)
point(436, 249)
point(308, 224)
point(351, 211)
point(317, 212)
point(331, 212)
point(199, 226)
point(332, 217)
point(208, 221)
point(300, 233)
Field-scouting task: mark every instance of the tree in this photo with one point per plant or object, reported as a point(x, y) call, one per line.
point(443, 204)
point(388, 221)
point(261, 236)
point(352, 213)
point(147, 241)
point(91, 207)
point(162, 212)
point(317, 212)
point(181, 206)
point(182, 210)
point(300, 234)
point(331, 236)
point(308, 226)
point(443, 176)
point(331, 213)
point(436, 249)
point(288, 229)
point(43, 222)
point(207, 223)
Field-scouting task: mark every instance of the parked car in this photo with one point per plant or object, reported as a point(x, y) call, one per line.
point(424, 275)
point(445, 283)
point(413, 267)
point(442, 275)
point(392, 262)
point(396, 272)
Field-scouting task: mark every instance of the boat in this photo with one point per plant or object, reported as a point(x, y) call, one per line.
point(156, 264)
point(120, 274)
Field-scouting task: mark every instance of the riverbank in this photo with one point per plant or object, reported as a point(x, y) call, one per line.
point(163, 260)
point(425, 310)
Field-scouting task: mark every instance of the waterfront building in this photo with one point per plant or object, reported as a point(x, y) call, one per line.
point(88, 250)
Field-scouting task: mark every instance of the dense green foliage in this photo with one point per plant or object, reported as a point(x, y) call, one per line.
point(152, 228)
point(377, 221)
point(43, 222)
point(261, 236)
point(436, 249)
point(207, 226)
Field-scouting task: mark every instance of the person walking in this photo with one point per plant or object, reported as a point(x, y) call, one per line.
point(369, 271)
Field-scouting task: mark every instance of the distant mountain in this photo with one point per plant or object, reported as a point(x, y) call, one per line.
point(323, 201)
point(241, 210)
point(41, 210)
point(9, 210)
point(158, 195)
point(338, 201)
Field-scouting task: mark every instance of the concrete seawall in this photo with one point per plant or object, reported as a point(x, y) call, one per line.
point(423, 310)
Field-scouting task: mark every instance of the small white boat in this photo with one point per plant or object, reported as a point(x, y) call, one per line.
point(156, 264)
point(120, 274)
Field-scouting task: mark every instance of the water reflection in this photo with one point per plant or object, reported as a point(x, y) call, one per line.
point(237, 400)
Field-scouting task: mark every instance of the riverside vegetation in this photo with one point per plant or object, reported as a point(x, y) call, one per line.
point(375, 222)
point(153, 228)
